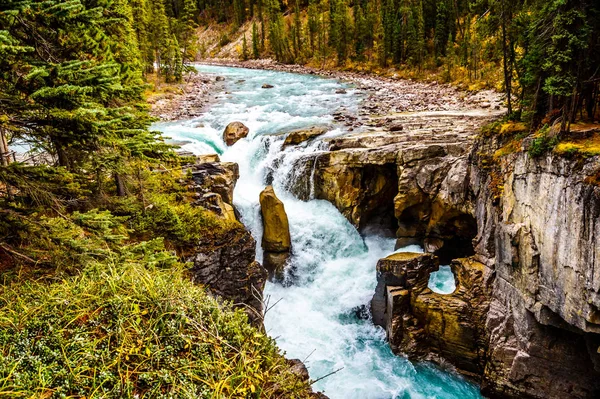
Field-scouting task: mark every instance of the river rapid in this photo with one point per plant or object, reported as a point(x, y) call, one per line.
point(318, 314)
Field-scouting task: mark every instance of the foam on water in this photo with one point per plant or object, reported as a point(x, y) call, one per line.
point(331, 279)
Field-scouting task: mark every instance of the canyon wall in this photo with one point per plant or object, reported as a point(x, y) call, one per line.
point(527, 302)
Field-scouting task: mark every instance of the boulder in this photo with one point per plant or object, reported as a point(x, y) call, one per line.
point(276, 233)
point(267, 86)
point(233, 132)
point(299, 136)
point(276, 240)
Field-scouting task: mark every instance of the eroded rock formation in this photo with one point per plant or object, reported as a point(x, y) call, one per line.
point(525, 317)
point(276, 240)
point(425, 324)
point(225, 261)
point(234, 132)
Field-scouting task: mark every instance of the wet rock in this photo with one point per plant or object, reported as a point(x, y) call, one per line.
point(267, 86)
point(220, 78)
point(234, 132)
point(226, 265)
point(207, 158)
point(297, 367)
point(275, 263)
point(276, 236)
point(341, 91)
point(216, 177)
point(423, 324)
point(276, 239)
point(299, 136)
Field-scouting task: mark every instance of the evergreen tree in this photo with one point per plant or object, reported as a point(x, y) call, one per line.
point(255, 41)
point(244, 48)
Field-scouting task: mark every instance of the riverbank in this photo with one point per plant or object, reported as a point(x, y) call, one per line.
point(383, 99)
point(189, 99)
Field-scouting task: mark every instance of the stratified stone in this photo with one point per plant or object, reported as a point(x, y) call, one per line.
point(299, 136)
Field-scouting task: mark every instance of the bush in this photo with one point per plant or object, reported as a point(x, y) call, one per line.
point(130, 328)
point(541, 145)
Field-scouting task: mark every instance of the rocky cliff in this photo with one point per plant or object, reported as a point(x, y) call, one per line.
point(225, 262)
point(526, 309)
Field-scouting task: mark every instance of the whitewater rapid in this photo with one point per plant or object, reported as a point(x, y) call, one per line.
point(319, 312)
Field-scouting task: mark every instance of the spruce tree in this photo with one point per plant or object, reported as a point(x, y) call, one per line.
point(255, 41)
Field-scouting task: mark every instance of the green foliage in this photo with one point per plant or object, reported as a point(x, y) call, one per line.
point(255, 41)
point(542, 144)
point(133, 327)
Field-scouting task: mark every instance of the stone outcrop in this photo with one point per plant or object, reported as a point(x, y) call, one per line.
point(214, 177)
point(226, 265)
point(539, 234)
point(525, 317)
point(225, 262)
point(299, 136)
point(234, 132)
point(276, 240)
point(423, 324)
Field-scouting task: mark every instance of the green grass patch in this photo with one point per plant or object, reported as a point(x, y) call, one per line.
point(132, 328)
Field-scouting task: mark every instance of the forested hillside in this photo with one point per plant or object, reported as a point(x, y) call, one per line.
point(96, 218)
point(543, 54)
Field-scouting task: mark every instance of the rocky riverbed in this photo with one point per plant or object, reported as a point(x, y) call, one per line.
point(383, 97)
point(185, 100)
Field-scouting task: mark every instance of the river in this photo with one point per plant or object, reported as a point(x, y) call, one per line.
point(315, 314)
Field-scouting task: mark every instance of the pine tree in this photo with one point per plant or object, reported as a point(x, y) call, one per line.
point(441, 28)
point(277, 37)
point(255, 41)
point(244, 48)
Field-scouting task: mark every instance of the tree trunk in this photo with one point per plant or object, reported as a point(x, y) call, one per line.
point(4, 148)
point(121, 190)
point(507, 71)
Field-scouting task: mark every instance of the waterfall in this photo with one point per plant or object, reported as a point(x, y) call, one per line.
point(320, 316)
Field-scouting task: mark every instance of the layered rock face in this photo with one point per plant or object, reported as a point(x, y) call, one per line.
point(525, 316)
point(541, 238)
point(225, 262)
point(276, 240)
point(426, 325)
point(402, 179)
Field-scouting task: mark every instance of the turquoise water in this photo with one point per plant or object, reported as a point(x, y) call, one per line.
point(332, 271)
point(442, 281)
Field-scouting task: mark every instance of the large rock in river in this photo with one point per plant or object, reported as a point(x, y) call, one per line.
point(276, 239)
point(235, 131)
